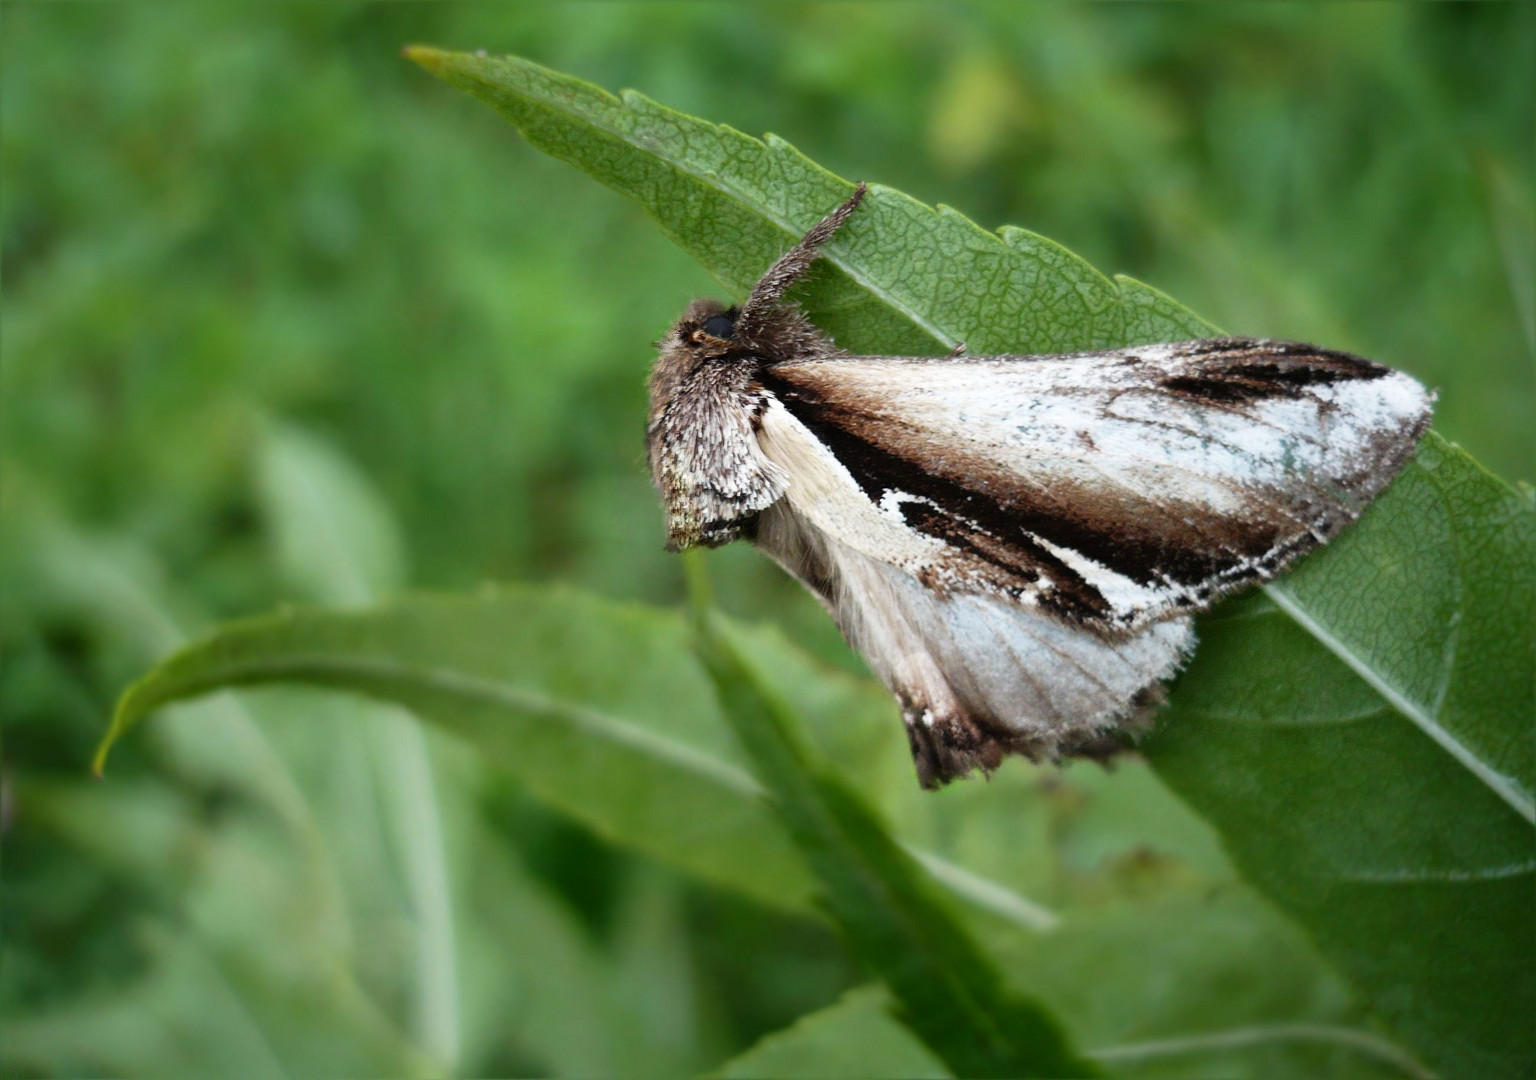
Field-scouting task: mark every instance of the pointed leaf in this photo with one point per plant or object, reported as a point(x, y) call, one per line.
point(902, 276)
point(600, 708)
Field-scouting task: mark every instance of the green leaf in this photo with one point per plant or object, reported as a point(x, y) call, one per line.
point(336, 539)
point(227, 979)
point(1362, 739)
point(948, 991)
point(901, 277)
point(1162, 988)
point(599, 709)
point(1453, 734)
point(337, 542)
point(856, 1036)
point(1166, 986)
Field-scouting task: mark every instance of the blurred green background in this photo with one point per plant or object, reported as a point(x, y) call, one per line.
point(259, 272)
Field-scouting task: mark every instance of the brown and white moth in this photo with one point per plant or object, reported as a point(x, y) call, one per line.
point(1016, 544)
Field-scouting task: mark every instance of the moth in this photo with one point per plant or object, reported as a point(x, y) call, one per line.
point(1015, 544)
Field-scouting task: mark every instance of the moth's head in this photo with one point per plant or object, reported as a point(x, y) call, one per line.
point(705, 332)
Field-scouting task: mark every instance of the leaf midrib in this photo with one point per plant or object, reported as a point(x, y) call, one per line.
point(474, 688)
point(1365, 1042)
point(1502, 786)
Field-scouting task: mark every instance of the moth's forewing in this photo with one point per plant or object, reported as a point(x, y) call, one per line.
point(1114, 489)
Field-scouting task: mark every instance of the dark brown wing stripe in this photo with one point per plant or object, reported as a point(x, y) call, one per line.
point(968, 520)
point(1235, 370)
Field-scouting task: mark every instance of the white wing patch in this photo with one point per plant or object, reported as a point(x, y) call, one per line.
point(1086, 419)
point(824, 492)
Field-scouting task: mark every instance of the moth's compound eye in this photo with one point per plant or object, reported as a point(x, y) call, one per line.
point(721, 326)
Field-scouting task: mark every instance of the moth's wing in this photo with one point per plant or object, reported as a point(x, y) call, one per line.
point(977, 676)
point(1013, 542)
point(1111, 489)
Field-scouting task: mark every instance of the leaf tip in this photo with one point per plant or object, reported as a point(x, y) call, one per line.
point(123, 717)
point(99, 761)
point(427, 56)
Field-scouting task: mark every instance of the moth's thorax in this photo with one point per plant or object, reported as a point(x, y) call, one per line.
point(701, 437)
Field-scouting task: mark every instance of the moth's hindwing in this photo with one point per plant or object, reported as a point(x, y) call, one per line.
point(977, 676)
point(1111, 490)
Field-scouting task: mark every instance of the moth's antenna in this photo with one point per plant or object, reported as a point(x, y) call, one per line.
point(793, 263)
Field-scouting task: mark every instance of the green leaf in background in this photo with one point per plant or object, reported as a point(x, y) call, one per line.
point(672, 750)
point(334, 955)
point(857, 1036)
point(597, 707)
point(1149, 989)
point(948, 991)
point(907, 279)
point(338, 543)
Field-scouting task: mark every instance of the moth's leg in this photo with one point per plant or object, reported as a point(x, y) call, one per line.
point(776, 281)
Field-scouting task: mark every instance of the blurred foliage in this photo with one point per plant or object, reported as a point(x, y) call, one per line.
point(258, 272)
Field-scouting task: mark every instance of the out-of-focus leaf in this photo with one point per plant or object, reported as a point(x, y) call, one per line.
point(654, 981)
point(337, 543)
point(600, 708)
point(905, 278)
point(857, 1036)
point(241, 980)
point(1512, 221)
point(1160, 988)
point(544, 984)
point(1166, 986)
point(948, 991)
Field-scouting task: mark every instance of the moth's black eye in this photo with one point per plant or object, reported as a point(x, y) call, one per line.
point(721, 326)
